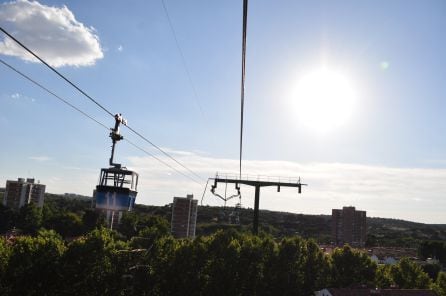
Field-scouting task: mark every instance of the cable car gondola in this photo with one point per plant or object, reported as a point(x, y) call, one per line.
point(117, 187)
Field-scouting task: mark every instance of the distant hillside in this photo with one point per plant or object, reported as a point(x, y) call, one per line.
point(381, 232)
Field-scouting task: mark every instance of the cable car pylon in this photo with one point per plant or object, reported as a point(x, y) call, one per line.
point(256, 183)
point(117, 188)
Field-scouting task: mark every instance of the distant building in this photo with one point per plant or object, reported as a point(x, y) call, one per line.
point(348, 226)
point(184, 216)
point(19, 193)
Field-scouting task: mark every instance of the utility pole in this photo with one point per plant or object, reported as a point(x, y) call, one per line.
point(257, 184)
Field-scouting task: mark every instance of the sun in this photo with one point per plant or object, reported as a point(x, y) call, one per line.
point(325, 100)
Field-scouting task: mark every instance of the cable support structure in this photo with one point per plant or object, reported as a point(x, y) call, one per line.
point(204, 192)
point(94, 101)
point(91, 117)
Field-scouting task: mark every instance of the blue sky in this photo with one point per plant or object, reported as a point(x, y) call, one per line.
point(389, 158)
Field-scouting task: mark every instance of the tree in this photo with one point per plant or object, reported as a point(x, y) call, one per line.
point(67, 224)
point(7, 218)
point(29, 218)
point(147, 237)
point(408, 275)
point(351, 267)
point(129, 224)
point(92, 219)
point(133, 223)
point(432, 270)
point(440, 284)
point(34, 264)
point(159, 264)
point(317, 268)
point(290, 267)
point(383, 278)
point(90, 264)
point(5, 253)
point(189, 260)
point(222, 269)
point(433, 249)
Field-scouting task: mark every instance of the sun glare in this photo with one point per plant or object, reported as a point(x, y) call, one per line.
point(325, 100)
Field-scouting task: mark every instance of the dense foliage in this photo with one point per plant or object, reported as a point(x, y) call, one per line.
point(63, 213)
point(103, 262)
point(433, 249)
point(64, 249)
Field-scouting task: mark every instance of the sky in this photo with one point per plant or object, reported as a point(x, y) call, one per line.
point(178, 84)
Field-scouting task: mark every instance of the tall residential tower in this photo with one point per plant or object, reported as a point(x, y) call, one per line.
point(348, 226)
point(184, 216)
point(19, 193)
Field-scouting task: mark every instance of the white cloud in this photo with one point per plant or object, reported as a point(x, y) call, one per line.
point(52, 32)
point(415, 194)
point(40, 158)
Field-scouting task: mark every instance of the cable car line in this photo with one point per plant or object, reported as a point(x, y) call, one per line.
point(96, 102)
point(204, 192)
point(52, 93)
point(165, 153)
point(183, 59)
point(57, 72)
point(91, 117)
point(242, 101)
point(163, 162)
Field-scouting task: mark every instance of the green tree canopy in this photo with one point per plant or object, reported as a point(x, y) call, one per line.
point(89, 264)
point(440, 284)
point(34, 264)
point(408, 275)
point(351, 267)
point(29, 218)
point(5, 253)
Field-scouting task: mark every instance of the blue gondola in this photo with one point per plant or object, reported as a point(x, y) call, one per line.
point(117, 187)
point(116, 190)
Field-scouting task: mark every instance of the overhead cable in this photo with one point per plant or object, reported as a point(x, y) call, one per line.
point(183, 59)
point(242, 101)
point(57, 72)
point(96, 102)
point(164, 152)
point(90, 117)
point(162, 161)
point(51, 93)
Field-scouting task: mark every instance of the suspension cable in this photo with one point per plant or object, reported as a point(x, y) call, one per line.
point(242, 101)
point(165, 153)
point(183, 59)
point(51, 93)
point(90, 117)
point(94, 101)
point(57, 72)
